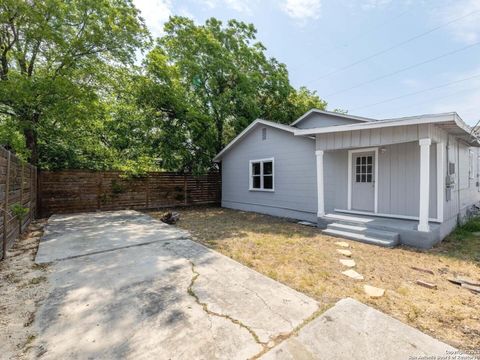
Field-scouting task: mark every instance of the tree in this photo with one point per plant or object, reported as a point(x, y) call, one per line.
point(206, 83)
point(52, 55)
point(303, 100)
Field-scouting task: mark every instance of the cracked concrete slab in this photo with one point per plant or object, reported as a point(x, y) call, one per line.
point(68, 236)
point(168, 299)
point(352, 330)
point(284, 308)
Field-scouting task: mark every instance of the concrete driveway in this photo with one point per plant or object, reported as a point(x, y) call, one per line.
point(124, 285)
point(127, 286)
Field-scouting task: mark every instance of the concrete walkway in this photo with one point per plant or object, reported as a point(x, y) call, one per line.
point(352, 330)
point(124, 285)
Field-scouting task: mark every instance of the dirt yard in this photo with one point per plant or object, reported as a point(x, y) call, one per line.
point(304, 259)
point(22, 287)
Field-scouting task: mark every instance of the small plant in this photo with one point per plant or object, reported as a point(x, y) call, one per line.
point(117, 188)
point(19, 212)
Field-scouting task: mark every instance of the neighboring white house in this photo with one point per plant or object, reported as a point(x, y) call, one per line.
point(407, 180)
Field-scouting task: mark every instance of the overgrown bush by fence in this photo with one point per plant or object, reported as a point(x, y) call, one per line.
point(81, 191)
point(18, 197)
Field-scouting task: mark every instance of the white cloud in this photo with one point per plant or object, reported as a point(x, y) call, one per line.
point(302, 10)
point(239, 5)
point(412, 83)
point(467, 29)
point(242, 6)
point(155, 13)
point(372, 4)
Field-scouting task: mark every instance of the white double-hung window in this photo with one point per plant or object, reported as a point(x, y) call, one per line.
point(262, 174)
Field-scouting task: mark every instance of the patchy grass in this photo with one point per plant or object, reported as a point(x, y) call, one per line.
point(463, 243)
point(306, 260)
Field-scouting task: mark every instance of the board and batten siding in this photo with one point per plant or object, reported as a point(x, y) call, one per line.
point(316, 120)
point(465, 191)
point(372, 137)
point(398, 180)
point(295, 180)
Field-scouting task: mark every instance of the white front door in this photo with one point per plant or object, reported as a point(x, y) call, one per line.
point(363, 181)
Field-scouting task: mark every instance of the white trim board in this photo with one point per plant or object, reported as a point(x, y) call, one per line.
point(349, 186)
point(393, 216)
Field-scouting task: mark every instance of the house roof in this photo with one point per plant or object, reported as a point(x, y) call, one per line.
point(248, 129)
point(331, 113)
point(450, 122)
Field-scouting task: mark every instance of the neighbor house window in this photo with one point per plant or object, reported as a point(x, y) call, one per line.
point(261, 174)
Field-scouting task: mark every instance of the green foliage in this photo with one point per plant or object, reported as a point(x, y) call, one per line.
point(55, 56)
point(19, 211)
point(117, 188)
point(206, 83)
point(71, 95)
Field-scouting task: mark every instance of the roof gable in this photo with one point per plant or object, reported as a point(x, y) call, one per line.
point(327, 118)
point(250, 128)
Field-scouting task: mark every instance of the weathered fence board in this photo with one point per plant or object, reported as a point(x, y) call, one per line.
point(81, 191)
point(17, 186)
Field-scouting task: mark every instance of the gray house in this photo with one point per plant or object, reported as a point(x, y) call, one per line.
point(406, 180)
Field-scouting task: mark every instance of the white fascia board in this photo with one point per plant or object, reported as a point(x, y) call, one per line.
point(332, 113)
point(247, 130)
point(378, 124)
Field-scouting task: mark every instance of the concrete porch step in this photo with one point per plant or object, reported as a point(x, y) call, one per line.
point(364, 230)
point(347, 219)
point(368, 239)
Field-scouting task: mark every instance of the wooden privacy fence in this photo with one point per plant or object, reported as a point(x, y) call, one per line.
point(82, 191)
point(18, 193)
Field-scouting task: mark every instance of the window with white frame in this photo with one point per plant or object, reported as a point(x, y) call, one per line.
point(261, 174)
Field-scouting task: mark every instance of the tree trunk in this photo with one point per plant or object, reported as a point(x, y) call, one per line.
point(219, 145)
point(31, 141)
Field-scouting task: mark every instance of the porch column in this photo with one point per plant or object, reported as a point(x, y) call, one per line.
point(320, 193)
point(424, 184)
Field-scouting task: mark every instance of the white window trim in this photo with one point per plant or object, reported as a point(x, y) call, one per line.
point(349, 189)
point(250, 181)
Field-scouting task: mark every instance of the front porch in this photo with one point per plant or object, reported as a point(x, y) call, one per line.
point(386, 190)
point(379, 230)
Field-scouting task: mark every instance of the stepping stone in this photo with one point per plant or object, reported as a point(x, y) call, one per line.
point(353, 274)
point(348, 262)
point(342, 244)
point(373, 291)
point(344, 252)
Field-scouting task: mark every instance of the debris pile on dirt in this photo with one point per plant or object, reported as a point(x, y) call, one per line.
point(470, 284)
point(170, 218)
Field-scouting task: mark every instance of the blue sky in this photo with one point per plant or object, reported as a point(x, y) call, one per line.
point(340, 48)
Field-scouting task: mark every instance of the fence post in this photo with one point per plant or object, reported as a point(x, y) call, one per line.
point(5, 208)
point(185, 194)
point(37, 198)
point(147, 191)
point(30, 197)
point(99, 190)
point(21, 198)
